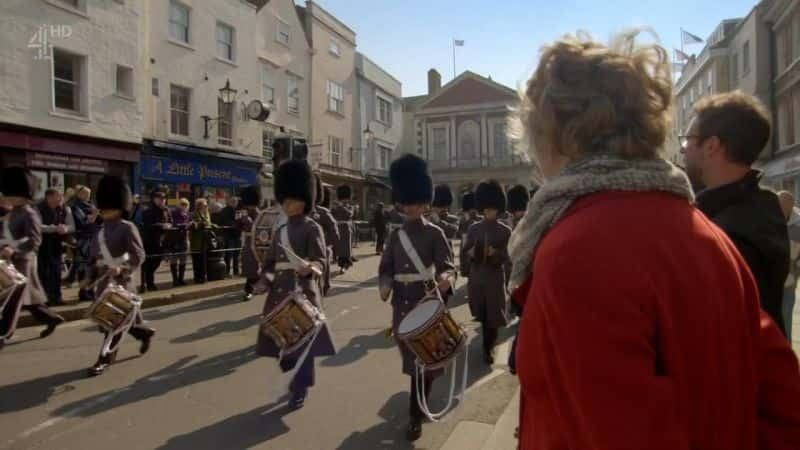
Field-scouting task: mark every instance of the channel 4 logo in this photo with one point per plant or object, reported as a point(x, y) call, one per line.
point(41, 40)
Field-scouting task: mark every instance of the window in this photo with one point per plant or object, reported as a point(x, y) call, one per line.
point(282, 35)
point(746, 58)
point(335, 145)
point(225, 41)
point(293, 99)
point(500, 141)
point(179, 110)
point(155, 87)
point(440, 144)
point(735, 69)
point(335, 97)
point(786, 122)
point(267, 91)
point(384, 156)
point(266, 146)
point(468, 138)
point(384, 110)
point(124, 81)
point(710, 82)
point(178, 22)
point(334, 49)
point(67, 81)
point(225, 123)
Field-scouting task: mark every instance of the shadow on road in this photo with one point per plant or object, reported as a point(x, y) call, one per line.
point(244, 430)
point(32, 393)
point(174, 376)
point(357, 348)
point(215, 329)
point(337, 289)
point(204, 305)
point(387, 435)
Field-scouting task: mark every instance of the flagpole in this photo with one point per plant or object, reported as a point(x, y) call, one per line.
point(454, 58)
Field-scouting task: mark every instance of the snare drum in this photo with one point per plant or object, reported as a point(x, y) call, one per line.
point(431, 333)
point(9, 276)
point(114, 307)
point(292, 323)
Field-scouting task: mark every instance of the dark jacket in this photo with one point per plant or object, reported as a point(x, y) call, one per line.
point(227, 218)
point(752, 218)
point(153, 231)
point(85, 229)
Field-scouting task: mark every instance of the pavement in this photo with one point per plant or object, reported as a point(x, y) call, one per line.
point(201, 386)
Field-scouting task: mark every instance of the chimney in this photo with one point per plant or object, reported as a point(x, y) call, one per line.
point(434, 81)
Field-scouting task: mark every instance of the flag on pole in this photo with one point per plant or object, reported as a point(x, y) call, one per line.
point(458, 43)
point(689, 38)
point(681, 56)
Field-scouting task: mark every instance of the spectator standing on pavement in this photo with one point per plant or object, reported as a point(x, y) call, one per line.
point(724, 139)
point(790, 287)
point(231, 234)
point(379, 223)
point(57, 224)
point(661, 345)
point(343, 213)
point(156, 220)
point(177, 241)
point(137, 211)
point(199, 231)
point(251, 263)
point(87, 225)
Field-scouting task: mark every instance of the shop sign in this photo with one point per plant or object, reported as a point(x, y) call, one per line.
point(218, 173)
point(65, 162)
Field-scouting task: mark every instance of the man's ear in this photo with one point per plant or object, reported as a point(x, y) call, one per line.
point(712, 147)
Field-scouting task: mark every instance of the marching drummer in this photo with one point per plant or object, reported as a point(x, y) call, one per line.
point(343, 212)
point(19, 243)
point(299, 237)
point(108, 263)
point(469, 217)
point(324, 218)
point(490, 264)
point(440, 211)
point(412, 188)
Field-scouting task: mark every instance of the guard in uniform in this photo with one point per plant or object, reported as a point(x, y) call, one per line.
point(412, 188)
point(440, 211)
point(119, 237)
point(490, 265)
point(469, 216)
point(324, 218)
point(343, 213)
point(295, 191)
point(518, 198)
point(19, 243)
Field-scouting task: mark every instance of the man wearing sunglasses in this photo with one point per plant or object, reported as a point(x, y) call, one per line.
point(724, 139)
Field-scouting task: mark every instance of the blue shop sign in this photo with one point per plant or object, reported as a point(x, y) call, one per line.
point(218, 173)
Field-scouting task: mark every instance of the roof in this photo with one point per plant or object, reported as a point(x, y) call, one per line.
point(470, 93)
point(411, 104)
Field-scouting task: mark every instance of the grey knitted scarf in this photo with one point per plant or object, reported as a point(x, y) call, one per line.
point(595, 173)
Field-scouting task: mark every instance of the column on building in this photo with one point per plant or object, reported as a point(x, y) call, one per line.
point(453, 151)
point(484, 141)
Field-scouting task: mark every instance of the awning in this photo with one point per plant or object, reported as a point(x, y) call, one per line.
point(378, 181)
point(202, 151)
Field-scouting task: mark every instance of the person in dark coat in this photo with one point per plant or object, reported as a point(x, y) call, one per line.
point(379, 223)
point(176, 242)
point(412, 188)
point(231, 234)
point(343, 213)
point(295, 191)
point(469, 216)
point(251, 265)
point(518, 198)
point(722, 143)
point(324, 218)
point(156, 220)
point(57, 224)
point(490, 265)
point(20, 240)
point(87, 224)
point(117, 238)
point(440, 211)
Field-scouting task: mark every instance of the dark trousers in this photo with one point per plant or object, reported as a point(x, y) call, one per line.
point(489, 337)
point(305, 376)
point(414, 410)
point(199, 266)
point(381, 238)
point(149, 268)
point(49, 268)
point(232, 256)
point(137, 330)
point(40, 313)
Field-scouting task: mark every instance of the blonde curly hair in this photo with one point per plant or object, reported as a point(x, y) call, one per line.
point(586, 97)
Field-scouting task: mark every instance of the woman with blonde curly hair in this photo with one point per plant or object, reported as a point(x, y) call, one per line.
point(641, 325)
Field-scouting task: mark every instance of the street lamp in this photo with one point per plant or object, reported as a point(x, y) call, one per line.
point(228, 96)
point(368, 135)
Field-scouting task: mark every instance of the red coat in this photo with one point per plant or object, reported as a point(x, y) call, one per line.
point(642, 331)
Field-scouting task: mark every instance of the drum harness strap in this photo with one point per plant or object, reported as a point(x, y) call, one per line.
point(252, 233)
point(5, 294)
point(419, 372)
point(110, 262)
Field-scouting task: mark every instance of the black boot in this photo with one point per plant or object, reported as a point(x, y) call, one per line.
point(103, 362)
point(173, 269)
point(144, 335)
point(181, 273)
point(414, 429)
point(298, 399)
point(51, 327)
point(489, 339)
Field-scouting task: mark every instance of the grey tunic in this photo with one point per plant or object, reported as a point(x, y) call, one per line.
point(490, 265)
point(307, 241)
point(448, 223)
point(24, 222)
point(251, 266)
point(325, 219)
point(121, 237)
point(434, 250)
point(344, 219)
point(463, 228)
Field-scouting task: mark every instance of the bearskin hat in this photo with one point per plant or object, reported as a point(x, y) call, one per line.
point(344, 192)
point(518, 198)
point(468, 201)
point(411, 180)
point(295, 180)
point(250, 195)
point(113, 193)
point(442, 196)
point(17, 182)
point(490, 195)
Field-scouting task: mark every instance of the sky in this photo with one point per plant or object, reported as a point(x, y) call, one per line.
point(503, 37)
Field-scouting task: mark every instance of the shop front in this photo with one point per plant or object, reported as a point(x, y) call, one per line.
point(64, 161)
point(192, 172)
point(783, 172)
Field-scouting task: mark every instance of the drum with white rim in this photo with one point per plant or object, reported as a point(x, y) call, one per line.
point(9, 276)
point(115, 307)
point(293, 322)
point(431, 334)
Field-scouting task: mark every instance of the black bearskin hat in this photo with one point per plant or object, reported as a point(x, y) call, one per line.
point(442, 196)
point(250, 195)
point(518, 198)
point(468, 201)
point(344, 192)
point(113, 193)
point(411, 180)
point(295, 180)
point(17, 182)
point(325, 201)
point(490, 195)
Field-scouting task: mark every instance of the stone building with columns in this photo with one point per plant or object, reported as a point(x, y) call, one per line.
point(461, 129)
